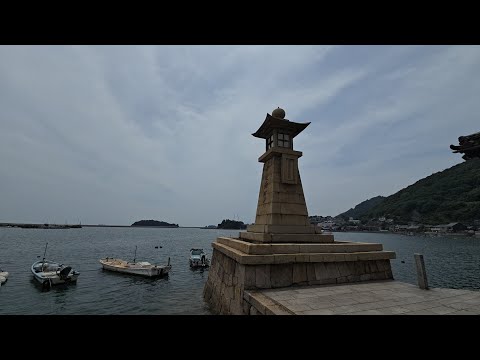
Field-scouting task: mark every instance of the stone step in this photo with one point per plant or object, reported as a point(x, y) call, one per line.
point(264, 305)
point(295, 248)
point(286, 238)
point(284, 229)
point(249, 259)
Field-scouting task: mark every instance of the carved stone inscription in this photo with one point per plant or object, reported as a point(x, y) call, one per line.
point(289, 169)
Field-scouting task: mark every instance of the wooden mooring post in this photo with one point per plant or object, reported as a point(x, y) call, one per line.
point(421, 273)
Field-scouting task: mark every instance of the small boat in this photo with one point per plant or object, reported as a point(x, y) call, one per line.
point(143, 268)
point(198, 258)
point(3, 276)
point(50, 273)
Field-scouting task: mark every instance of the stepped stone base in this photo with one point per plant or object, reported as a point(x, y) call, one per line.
point(238, 265)
point(284, 229)
point(286, 238)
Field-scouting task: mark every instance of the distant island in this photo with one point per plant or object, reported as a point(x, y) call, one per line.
point(154, 223)
point(232, 224)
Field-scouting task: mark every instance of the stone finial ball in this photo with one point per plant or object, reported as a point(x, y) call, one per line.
point(278, 113)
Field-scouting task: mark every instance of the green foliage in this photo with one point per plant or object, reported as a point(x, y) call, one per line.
point(362, 208)
point(231, 224)
point(447, 196)
point(153, 223)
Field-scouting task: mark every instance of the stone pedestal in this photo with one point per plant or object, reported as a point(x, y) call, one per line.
point(238, 265)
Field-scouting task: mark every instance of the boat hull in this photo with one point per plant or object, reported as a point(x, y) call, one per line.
point(124, 267)
point(199, 264)
point(55, 279)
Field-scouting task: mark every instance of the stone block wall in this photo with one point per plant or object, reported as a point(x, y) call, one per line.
point(225, 284)
point(227, 279)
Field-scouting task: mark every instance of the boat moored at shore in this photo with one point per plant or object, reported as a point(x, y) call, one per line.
point(143, 268)
point(50, 273)
point(198, 258)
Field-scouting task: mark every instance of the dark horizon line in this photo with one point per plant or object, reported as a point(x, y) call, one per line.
point(4, 224)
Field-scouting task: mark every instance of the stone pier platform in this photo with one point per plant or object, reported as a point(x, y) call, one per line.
point(387, 297)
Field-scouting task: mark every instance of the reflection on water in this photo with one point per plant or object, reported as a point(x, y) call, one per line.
point(450, 262)
point(60, 288)
point(198, 269)
point(104, 292)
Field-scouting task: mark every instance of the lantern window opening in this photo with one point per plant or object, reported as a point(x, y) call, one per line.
point(283, 140)
point(270, 142)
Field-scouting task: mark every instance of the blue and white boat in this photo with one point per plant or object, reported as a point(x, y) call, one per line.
point(198, 258)
point(49, 273)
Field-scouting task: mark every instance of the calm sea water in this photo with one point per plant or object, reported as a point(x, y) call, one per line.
point(450, 263)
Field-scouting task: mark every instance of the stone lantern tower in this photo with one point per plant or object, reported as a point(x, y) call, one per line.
point(281, 205)
point(282, 248)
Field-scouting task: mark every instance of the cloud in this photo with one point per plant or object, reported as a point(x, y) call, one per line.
point(114, 134)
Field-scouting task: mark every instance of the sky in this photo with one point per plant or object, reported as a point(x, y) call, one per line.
point(116, 134)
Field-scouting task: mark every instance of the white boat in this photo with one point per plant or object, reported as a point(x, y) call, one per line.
point(49, 273)
point(143, 268)
point(198, 258)
point(3, 276)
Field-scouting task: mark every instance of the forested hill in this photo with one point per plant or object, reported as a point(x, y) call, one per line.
point(452, 195)
point(362, 208)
